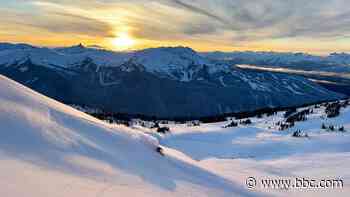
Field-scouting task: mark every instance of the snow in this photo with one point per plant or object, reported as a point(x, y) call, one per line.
point(50, 149)
point(334, 62)
point(168, 58)
point(261, 151)
point(295, 71)
point(103, 83)
point(255, 84)
point(264, 56)
point(221, 79)
point(170, 61)
point(24, 69)
point(280, 57)
point(341, 58)
point(179, 63)
point(293, 90)
point(60, 57)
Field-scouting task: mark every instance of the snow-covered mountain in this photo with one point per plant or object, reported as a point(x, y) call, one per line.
point(336, 62)
point(340, 58)
point(162, 82)
point(273, 57)
point(11, 54)
point(166, 59)
point(176, 62)
point(50, 149)
point(179, 63)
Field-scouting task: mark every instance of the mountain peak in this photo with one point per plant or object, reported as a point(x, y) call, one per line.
point(80, 48)
point(11, 46)
point(169, 59)
point(80, 45)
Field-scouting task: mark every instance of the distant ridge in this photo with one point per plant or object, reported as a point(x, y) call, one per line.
point(162, 82)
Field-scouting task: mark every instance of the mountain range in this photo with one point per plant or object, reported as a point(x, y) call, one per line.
point(334, 62)
point(164, 82)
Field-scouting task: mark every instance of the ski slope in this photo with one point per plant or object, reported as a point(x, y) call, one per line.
point(50, 149)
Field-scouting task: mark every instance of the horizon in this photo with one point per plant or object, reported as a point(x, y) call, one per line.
point(313, 27)
point(214, 98)
point(97, 47)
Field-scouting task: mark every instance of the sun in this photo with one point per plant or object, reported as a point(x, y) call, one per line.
point(123, 41)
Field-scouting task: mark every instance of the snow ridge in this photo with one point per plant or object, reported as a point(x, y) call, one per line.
point(50, 149)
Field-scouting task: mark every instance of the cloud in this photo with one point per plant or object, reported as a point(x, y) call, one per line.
point(271, 19)
point(198, 10)
point(55, 21)
point(71, 23)
point(238, 22)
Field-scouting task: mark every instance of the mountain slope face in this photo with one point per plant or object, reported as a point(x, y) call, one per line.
point(335, 62)
point(50, 149)
point(161, 82)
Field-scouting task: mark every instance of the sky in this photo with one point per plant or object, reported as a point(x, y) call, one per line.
point(313, 26)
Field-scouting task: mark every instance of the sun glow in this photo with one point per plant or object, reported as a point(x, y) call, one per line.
point(123, 41)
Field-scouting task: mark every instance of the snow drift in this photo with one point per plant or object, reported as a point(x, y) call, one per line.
point(49, 149)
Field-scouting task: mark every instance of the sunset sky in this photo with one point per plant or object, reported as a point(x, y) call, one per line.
point(314, 26)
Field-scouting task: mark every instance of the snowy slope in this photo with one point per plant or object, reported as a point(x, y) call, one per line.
point(336, 62)
point(50, 149)
point(171, 62)
point(166, 60)
point(178, 63)
point(262, 151)
point(341, 58)
point(172, 81)
point(13, 54)
point(264, 56)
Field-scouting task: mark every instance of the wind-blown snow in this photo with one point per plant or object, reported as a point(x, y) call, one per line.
point(50, 149)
